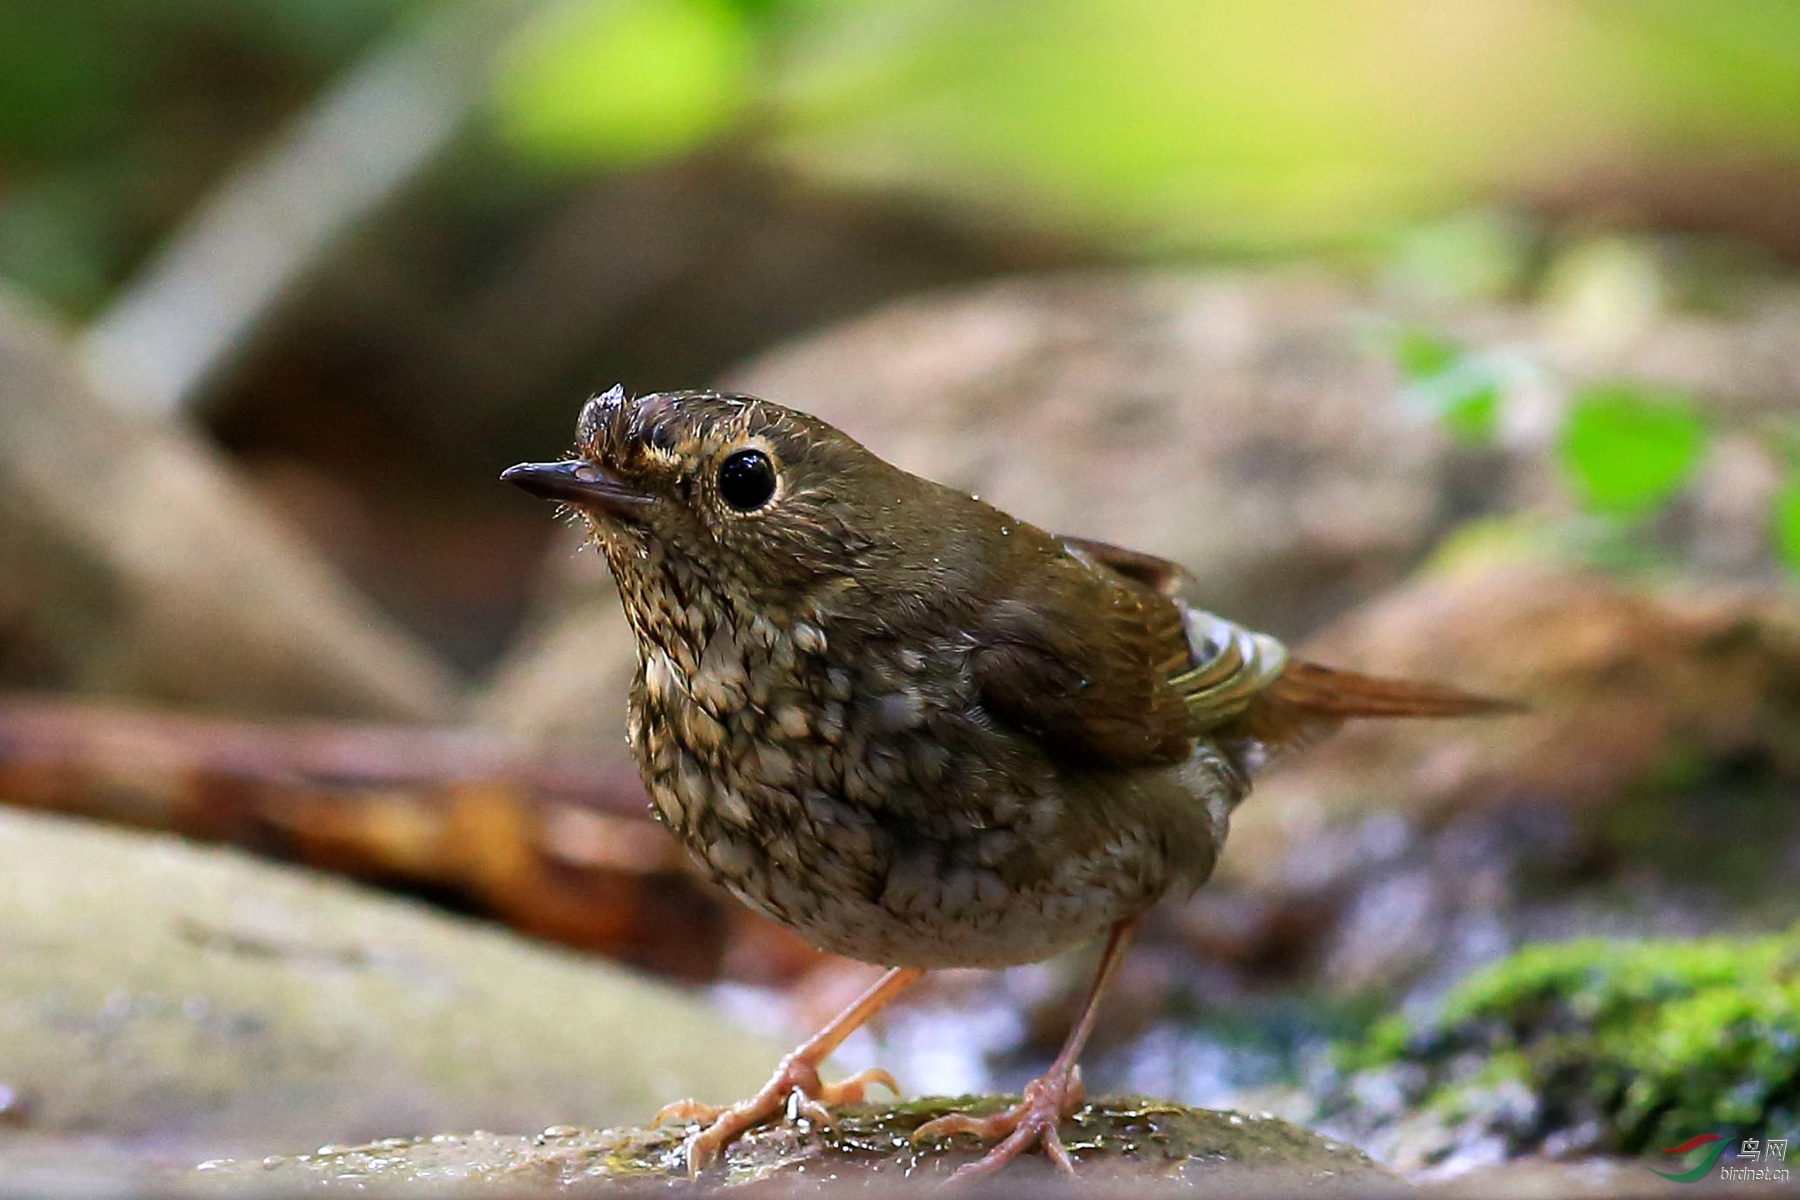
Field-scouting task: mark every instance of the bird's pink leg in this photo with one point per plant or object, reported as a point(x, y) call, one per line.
point(1049, 1098)
point(796, 1081)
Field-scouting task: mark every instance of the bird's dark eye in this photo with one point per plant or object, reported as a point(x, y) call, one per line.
point(747, 480)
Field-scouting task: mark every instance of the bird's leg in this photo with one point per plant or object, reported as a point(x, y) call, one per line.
point(796, 1081)
point(1049, 1098)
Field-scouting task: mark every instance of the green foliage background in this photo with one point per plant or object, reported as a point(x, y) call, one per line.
point(1165, 127)
point(1161, 130)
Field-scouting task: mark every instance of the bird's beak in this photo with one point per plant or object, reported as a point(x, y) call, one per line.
point(579, 483)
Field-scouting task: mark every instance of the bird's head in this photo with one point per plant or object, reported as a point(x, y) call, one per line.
point(754, 499)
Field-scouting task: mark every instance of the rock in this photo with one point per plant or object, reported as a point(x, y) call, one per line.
point(1211, 1153)
point(566, 679)
point(133, 561)
point(186, 1003)
point(1585, 1047)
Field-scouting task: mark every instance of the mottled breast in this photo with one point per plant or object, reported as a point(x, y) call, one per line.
point(861, 796)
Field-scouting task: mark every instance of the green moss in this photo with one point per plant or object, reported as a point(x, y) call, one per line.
point(1624, 1045)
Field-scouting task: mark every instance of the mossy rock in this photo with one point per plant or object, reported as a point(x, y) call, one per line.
point(1224, 1153)
point(1617, 1047)
point(183, 1002)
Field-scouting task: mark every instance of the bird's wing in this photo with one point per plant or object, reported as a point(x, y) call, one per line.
point(1226, 663)
point(1161, 576)
point(1092, 653)
point(1107, 659)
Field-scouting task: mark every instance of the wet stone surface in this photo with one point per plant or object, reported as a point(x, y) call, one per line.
point(1210, 1152)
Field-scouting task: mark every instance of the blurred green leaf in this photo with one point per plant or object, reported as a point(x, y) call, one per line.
point(1471, 416)
point(1208, 123)
point(1787, 522)
point(623, 81)
point(1423, 354)
point(1627, 449)
point(62, 81)
point(1459, 389)
point(48, 236)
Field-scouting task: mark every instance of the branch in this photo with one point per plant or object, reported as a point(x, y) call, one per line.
point(199, 303)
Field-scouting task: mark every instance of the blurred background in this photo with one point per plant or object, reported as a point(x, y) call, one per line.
point(1462, 338)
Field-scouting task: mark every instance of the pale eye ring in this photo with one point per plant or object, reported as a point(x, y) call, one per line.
point(746, 480)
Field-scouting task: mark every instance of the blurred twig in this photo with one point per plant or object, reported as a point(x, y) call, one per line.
point(556, 845)
point(132, 560)
point(199, 302)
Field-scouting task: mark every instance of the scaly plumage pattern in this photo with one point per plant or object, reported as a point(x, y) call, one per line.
point(913, 728)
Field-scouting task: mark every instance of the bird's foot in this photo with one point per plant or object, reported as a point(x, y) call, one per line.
point(1047, 1102)
point(794, 1089)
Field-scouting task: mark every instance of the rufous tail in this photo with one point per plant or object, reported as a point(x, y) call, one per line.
point(1307, 701)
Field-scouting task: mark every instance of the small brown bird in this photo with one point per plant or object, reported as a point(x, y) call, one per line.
point(918, 731)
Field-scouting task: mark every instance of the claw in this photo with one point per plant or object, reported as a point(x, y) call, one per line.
point(1033, 1121)
point(795, 1089)
point(856, 1088)
point(816, 1107)
point(1048, 1099)
point(951, 1124)
point(686, 1110)
point(801, 1106)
